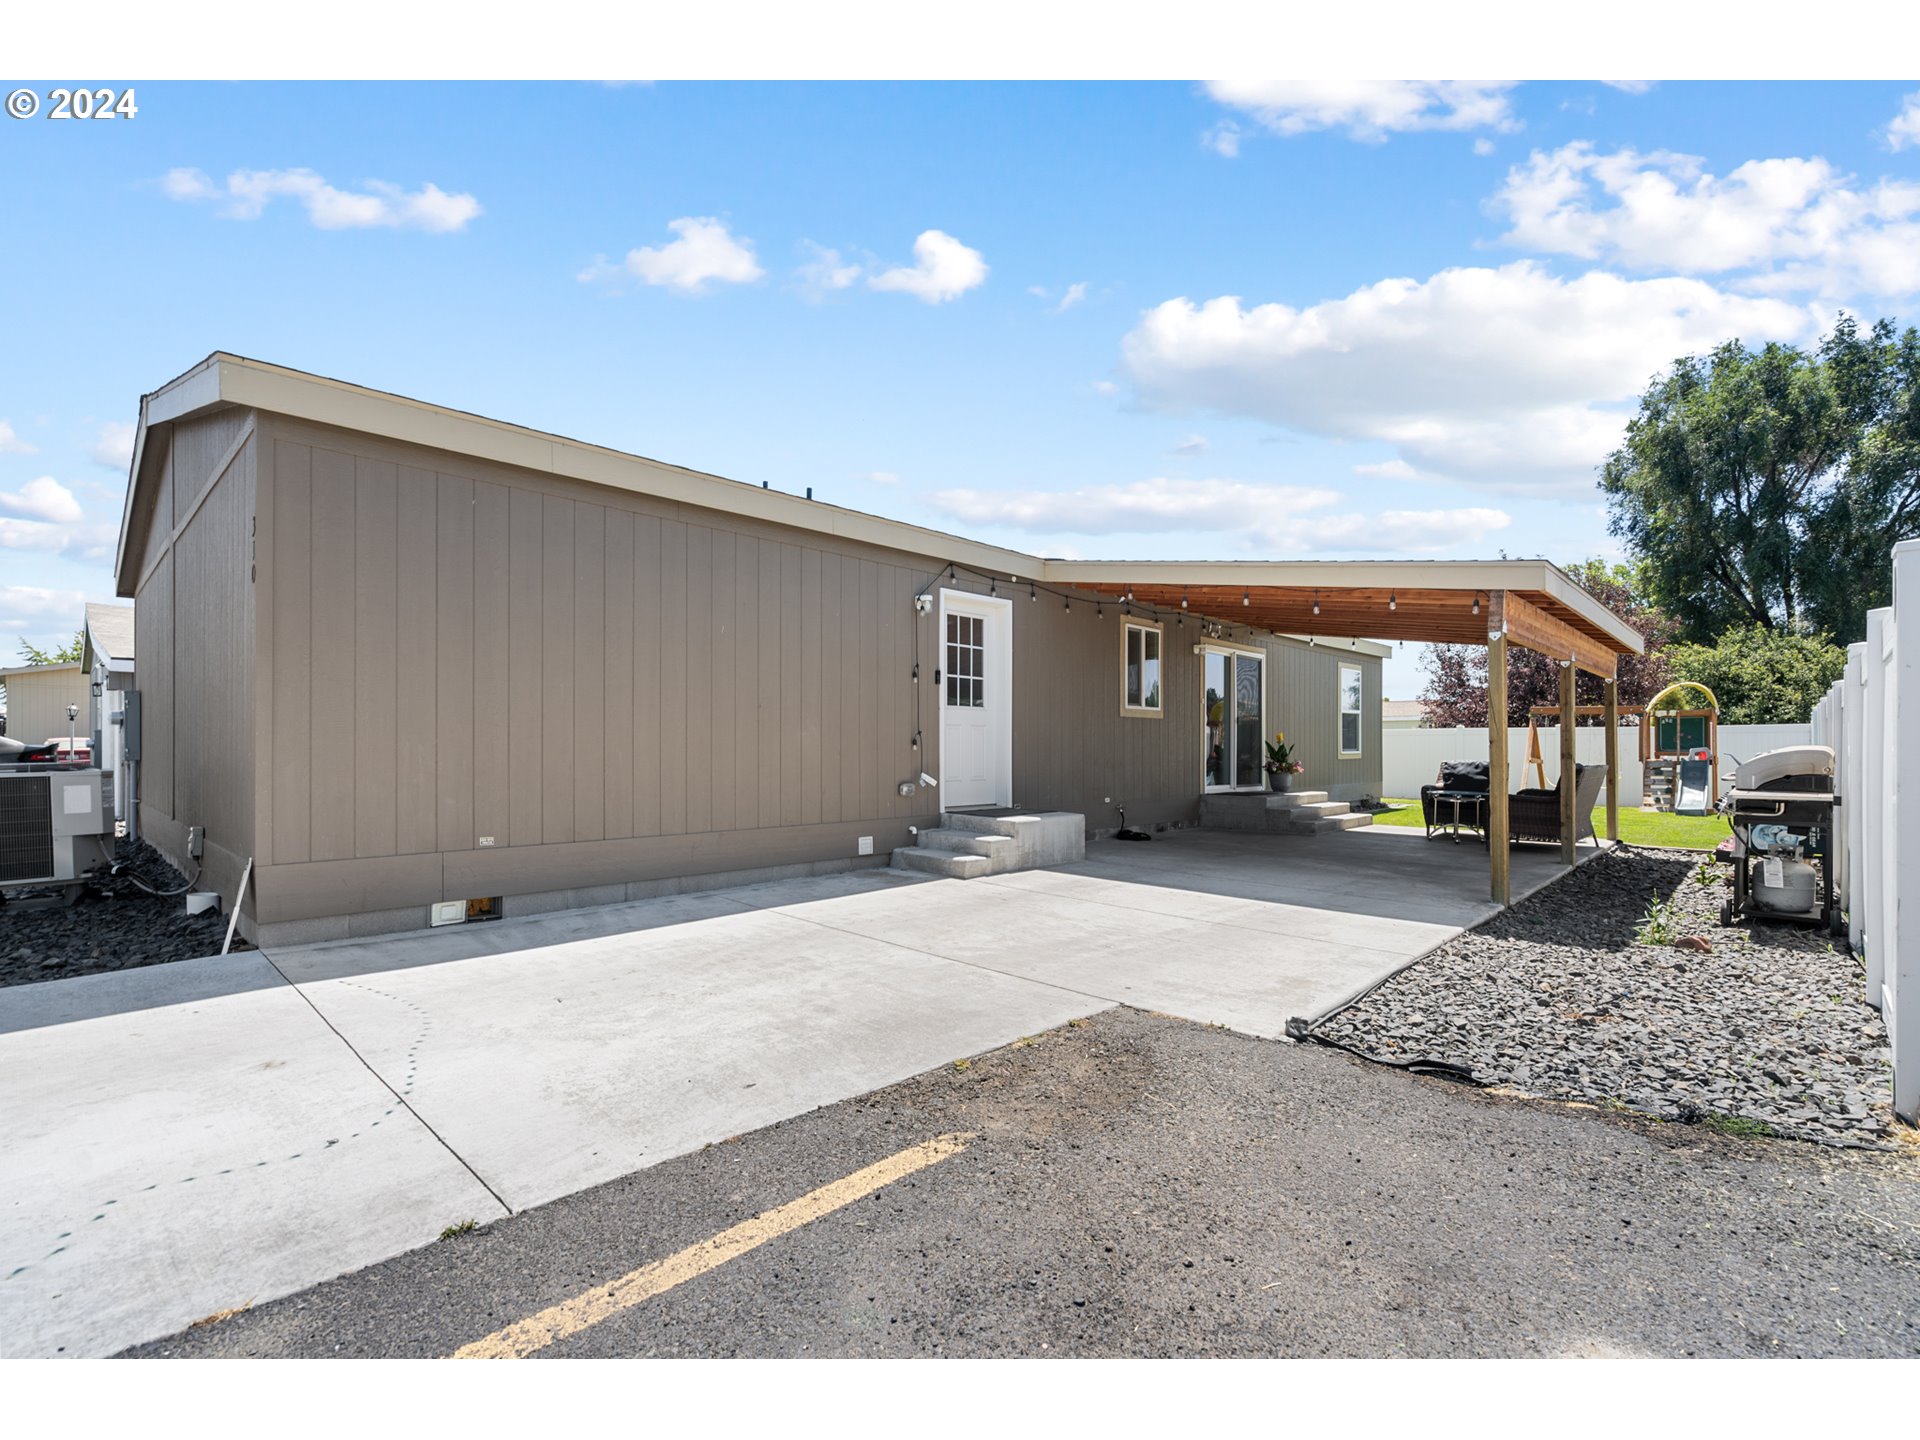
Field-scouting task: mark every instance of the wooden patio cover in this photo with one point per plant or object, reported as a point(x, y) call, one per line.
point(1529, 603)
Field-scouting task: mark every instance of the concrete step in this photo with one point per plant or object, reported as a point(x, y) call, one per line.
point(1007, 825)
point(1320, 809)
point(1293, 799)
point(970, 842)
point(949, 863)
point(1328, 822)
point(1034, 837)
point(1299, 812)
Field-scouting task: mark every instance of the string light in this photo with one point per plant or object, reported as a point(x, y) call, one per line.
point(1032, 594)
point(1183, 597)
point(1316, 602)
point(1476, 602)
point(1393, 601)
point(1246, 598)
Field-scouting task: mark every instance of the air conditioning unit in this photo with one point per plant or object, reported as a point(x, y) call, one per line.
point(53, 827)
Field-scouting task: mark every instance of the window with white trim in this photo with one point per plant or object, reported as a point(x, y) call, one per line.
point(1350, 710)
point(1140, 678)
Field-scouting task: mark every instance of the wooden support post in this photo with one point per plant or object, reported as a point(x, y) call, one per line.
point(1498, 826)
point(1610, 704)
point(1568, 819)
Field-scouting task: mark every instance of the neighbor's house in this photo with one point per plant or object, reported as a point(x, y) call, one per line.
point(395, 654)
point(1403, 715)
point(37, 701)
point(106, 653)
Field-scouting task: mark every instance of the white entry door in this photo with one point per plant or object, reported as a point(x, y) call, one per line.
point(976, 700)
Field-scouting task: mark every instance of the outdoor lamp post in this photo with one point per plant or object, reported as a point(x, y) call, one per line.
point(73, 712)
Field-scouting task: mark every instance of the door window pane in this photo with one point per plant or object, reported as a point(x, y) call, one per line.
point(966, 660)
point(1215, 691)
point(1247, 753)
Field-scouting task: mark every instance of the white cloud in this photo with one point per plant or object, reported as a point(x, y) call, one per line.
point(43, 499)
point(1631, 87)
point(1368, 109)
point(1192, 445)
point(1483, 146)
point(12, 444)
point(1223, 139)
point(1789, 224)
point(114, 446)
point(705, 252)
point(1140, 507)
point(247, 194)
point(1508, 378)
point(1105, 387)
point(1390, 532)
point(20, 604)
point(1903, 131)
point(1069, 297)
point(33, 535)
point(1387, 470)
point(879, 477)
point(1292, 519)
point(826, 271)
point(943, 269)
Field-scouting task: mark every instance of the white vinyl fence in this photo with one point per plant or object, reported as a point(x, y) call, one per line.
point(1411, 758)
point(1878, 750)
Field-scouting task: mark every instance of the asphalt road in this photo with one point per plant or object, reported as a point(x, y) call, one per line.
point(1139, 1185)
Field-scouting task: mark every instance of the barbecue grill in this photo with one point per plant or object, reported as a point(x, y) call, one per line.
point(1782, 808)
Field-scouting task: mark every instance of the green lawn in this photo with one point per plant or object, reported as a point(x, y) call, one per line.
point(1637, 827)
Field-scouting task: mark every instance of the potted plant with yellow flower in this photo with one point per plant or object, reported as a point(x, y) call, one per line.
point(1281, 767)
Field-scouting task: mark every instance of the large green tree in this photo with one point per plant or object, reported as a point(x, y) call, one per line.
point(1766, 487)
point(1875, 379)
point(1761, 676)
point(64, 655)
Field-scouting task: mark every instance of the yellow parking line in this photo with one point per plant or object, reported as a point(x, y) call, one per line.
point(570, 1317)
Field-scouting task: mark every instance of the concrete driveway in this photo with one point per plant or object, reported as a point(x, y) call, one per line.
point(192, 1137)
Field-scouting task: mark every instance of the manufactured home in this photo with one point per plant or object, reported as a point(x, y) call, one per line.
point(394, 656)
point(38, 699)
point(106, 653)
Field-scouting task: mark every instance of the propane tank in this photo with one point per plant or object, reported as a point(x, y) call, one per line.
point(1784, 885)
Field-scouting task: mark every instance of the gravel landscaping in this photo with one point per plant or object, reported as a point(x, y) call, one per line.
point(1768, 1032)
point(115, 925)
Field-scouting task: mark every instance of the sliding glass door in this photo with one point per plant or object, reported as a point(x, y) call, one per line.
point(1234, 726)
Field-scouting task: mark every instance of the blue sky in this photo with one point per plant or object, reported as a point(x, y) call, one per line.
point(1105, 320)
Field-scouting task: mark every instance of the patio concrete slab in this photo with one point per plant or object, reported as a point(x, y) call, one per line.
point(254, 1136)
point(553, 1066)
point(187, 1138)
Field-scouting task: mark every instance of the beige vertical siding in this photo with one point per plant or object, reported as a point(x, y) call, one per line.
point(37, 704)
point(486, 681)
point(1074, 750)
point(1303, 700)
point(194, 621)
point(603, 685)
